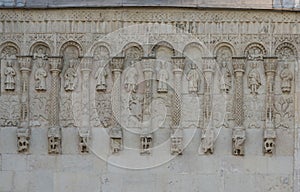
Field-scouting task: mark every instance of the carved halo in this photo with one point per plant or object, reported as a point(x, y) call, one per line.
point(286, 45)
point(255, 45)
point(35, 45)
point(71, 43)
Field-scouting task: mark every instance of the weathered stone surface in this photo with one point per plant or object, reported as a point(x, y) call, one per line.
point(109, 94)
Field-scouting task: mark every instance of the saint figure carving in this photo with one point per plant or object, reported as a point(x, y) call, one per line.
point(131, 78)
point(71, 76)
point(40, 74)
point(193, 79)
point(101, 76)
point(254, 81)
point(286, 79)
point(10, 74)
point(163, 76)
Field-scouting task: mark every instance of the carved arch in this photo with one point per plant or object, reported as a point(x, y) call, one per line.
point(9, 44)
point(255, 45)
point(154, 48)
point(71, 43)
point(39, 43)
point(286, 45)
point(224, 44)
point(91, 51)
point(131, 45)
point(196, 45)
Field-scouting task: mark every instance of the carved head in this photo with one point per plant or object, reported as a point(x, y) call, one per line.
point(269, 145)
point(23, 144)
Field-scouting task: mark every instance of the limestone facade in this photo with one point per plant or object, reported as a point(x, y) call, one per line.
point(143, 99)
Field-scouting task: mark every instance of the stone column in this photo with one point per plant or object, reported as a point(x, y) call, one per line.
point(148, 64)
point(116, 133)
point(270, 65)
point(239, 133)
point(178, 63)
point(23, 132)
point(84, 131)
point(54, 131)
point(176, 130)
point(208, 136)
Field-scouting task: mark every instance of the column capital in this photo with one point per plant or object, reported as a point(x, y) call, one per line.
point(55, 63)
point(238, 64)
point(148, 64)
point(270, 64)
point(209, 64)
point(25, 62)
point(178, 63)
point(117, 64)
point(86, 63)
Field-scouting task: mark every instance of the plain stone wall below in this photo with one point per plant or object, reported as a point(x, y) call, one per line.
point(95, 172)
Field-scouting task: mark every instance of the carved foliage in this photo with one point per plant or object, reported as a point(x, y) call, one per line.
point(104, 109)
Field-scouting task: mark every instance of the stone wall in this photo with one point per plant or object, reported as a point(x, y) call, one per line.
point(142, 99)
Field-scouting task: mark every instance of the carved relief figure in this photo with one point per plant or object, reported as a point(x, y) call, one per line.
point(146, 144)
point(238, 142)
point(116, 136)
point(83, 141)
point(254, 81)
point(225, 79)
point(193, 79)
point(286, 79)
point(23, 136)
point(224, 56)
point(71, 76)
point(238, 145)
point(101, 76)
point(131, 78)
point(54, 140)
point(163, 77)
point(40, 77)
point(40, 74)
point(10, 74)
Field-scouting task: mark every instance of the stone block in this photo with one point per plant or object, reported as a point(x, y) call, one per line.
point(22, 181)
point(243, 182)
point(6, 181)
point(76, 181)
point(41, 180)
point(8, 140)
point(14, 162)
point(76, 163)
point(285, 142)
point(70, 141)
point(42, 162)
point(280, 165)
point(39, 141)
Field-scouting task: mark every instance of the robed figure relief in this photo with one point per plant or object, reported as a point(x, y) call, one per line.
point(163, 77)
point(254, 81)
point(131, 78)
point(193, 79)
